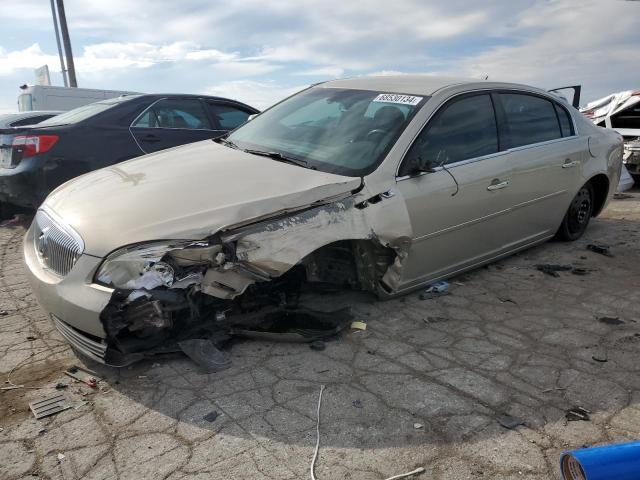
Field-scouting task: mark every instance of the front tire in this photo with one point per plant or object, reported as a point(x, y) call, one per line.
point(578, 214)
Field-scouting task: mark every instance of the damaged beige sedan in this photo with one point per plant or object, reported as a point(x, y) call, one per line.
point(375, 184)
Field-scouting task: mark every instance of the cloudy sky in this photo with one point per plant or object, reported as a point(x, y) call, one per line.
point(259, 51)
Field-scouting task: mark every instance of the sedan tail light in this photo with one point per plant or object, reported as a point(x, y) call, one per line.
point(32, 145)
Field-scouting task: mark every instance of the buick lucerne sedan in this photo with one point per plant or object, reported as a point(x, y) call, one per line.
point(379, 184)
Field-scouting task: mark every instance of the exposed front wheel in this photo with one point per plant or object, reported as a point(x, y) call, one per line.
point(578, 215)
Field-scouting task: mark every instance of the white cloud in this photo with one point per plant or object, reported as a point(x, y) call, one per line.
point(584, 42)
point(257, 94)
point(115, 55)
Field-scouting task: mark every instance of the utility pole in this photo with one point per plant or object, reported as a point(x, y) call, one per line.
point(63, 69)
point(71, 69)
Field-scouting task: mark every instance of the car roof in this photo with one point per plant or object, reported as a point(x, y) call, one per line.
point(417, 84)
point(188, 95)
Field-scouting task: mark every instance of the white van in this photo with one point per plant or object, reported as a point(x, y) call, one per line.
point(45, 97)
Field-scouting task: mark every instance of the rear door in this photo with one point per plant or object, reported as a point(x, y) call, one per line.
point(170, 122)
point(544, 156)
point(458, 212)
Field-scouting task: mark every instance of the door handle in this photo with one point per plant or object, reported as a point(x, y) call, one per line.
point(498, 185)
point(150, 139)
point(569, 164)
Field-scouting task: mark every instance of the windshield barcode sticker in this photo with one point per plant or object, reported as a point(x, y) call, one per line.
point(397, 98)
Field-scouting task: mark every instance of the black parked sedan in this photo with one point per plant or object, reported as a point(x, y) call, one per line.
point(35, 160)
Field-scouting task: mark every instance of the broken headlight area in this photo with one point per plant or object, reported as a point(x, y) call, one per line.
point(158, 264)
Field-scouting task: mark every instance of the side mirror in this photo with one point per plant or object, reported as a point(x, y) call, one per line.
point(417, 166)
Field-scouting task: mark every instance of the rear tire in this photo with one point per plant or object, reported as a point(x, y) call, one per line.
point(578, 214)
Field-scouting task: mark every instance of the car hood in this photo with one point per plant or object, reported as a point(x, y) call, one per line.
point(187, 192)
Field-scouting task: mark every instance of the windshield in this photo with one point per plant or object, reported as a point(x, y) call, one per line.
point(82, 113)
point(341, 131)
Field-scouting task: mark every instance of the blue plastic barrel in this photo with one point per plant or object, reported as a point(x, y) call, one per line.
point(609, 462)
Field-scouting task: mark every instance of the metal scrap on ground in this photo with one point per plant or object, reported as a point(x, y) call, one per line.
point(49, 406)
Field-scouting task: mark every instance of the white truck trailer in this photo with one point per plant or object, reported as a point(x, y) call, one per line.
point(47, 97)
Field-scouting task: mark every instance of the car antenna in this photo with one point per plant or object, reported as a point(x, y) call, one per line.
point(450, 174)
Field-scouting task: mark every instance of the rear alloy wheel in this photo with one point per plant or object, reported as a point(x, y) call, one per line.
point(578, 215)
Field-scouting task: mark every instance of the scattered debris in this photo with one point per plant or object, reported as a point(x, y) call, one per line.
point(83, 375)
point(318, 345)
point(418, 426)
point(601, 249)
point(42, 431)
point(31, 338)
point(437, 287)
point(205, 354)
point(551, 269)
point(621, 196)
point(600, 356)
point(578, 413)
point(357, 403)
point(211, 416)
point(507, 421)
point(507, 300)
point(580, 271)
point(49, 406)
point(61, 457)
point(61, 386)
point(610, 320)
point(358, 325)
point(3, 313)
point(435, 319)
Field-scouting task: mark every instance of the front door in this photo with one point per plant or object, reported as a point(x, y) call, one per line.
point(458, 212)
point(171, 122)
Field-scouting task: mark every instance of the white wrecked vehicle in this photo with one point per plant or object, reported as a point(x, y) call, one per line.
point(621, 112)
point(378, 184)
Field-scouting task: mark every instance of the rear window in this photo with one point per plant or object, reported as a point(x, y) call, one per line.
point(530, 119)
point(30, 120)
point(86, 111)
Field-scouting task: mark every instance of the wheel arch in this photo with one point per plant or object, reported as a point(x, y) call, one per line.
point(600, 185)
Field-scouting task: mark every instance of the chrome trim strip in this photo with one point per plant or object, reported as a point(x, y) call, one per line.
point(89, 347)
point(486, 217)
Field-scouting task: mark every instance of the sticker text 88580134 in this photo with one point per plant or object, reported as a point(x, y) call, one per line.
point(398, 98)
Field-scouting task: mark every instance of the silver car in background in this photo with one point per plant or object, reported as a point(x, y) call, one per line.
point(381, 184)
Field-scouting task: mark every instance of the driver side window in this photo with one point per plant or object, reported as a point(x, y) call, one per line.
point(462, 130)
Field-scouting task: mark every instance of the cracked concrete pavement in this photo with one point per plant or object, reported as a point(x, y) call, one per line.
point(508, 339)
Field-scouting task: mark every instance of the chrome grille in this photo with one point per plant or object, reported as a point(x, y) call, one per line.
point(58, 247)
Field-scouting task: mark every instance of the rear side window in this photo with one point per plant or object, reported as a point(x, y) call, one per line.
point(463, 130)
point(565, 121)
point(228, 117)
point(174, 113)
point(529, 119)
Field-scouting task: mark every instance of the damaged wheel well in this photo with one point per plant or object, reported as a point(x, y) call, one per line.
point(357, 264)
